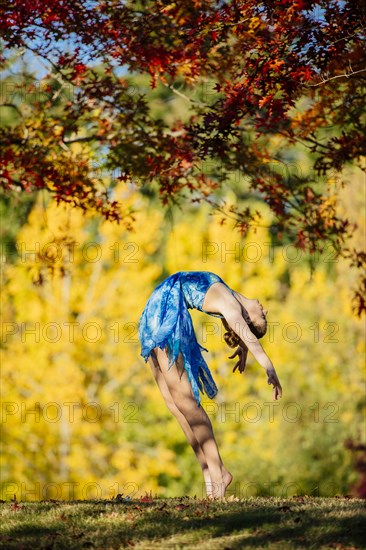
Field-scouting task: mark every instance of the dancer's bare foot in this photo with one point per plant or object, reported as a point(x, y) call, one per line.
point(218, 488)
point(227, 477)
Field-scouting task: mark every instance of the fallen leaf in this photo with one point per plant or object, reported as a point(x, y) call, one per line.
point(147, 498)
point(181, 506)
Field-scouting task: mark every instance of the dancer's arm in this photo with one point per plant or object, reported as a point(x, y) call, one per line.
point(219, 299)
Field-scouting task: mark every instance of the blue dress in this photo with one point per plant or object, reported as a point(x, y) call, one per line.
point(166, 323)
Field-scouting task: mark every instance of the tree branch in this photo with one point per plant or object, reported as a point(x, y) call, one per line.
point(345, 75)
point(177, 92)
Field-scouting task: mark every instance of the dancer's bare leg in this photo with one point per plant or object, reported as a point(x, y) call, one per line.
point(182, 421)
point(181, 392)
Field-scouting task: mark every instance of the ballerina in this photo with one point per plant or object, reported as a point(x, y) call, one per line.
point(169, 344)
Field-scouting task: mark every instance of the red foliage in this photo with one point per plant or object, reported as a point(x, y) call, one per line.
point(358, 451)
point(260, 59)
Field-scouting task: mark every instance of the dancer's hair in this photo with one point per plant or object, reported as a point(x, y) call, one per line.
point(233, 340)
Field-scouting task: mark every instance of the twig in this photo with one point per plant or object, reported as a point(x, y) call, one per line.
point(348, 36)
point(223, 25)
point(180, 94)
point(345, 75)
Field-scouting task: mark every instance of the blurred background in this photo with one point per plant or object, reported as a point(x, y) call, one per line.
point(81, 415)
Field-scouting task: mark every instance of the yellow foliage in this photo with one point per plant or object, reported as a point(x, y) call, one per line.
point(81, 407)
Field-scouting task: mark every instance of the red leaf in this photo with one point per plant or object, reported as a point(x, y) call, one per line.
point(147, 498)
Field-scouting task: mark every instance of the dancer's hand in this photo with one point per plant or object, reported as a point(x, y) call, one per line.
point(273, 380)
point(242, 358)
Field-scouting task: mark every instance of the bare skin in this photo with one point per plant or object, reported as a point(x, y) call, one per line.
point(178, 395)
point(219, 299)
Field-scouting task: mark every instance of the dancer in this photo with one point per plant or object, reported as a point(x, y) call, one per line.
point(169, 343)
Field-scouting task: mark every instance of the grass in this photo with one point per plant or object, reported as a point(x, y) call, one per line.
point(271, 523)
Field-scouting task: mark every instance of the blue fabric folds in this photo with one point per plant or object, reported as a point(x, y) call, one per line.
point(166, 323)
